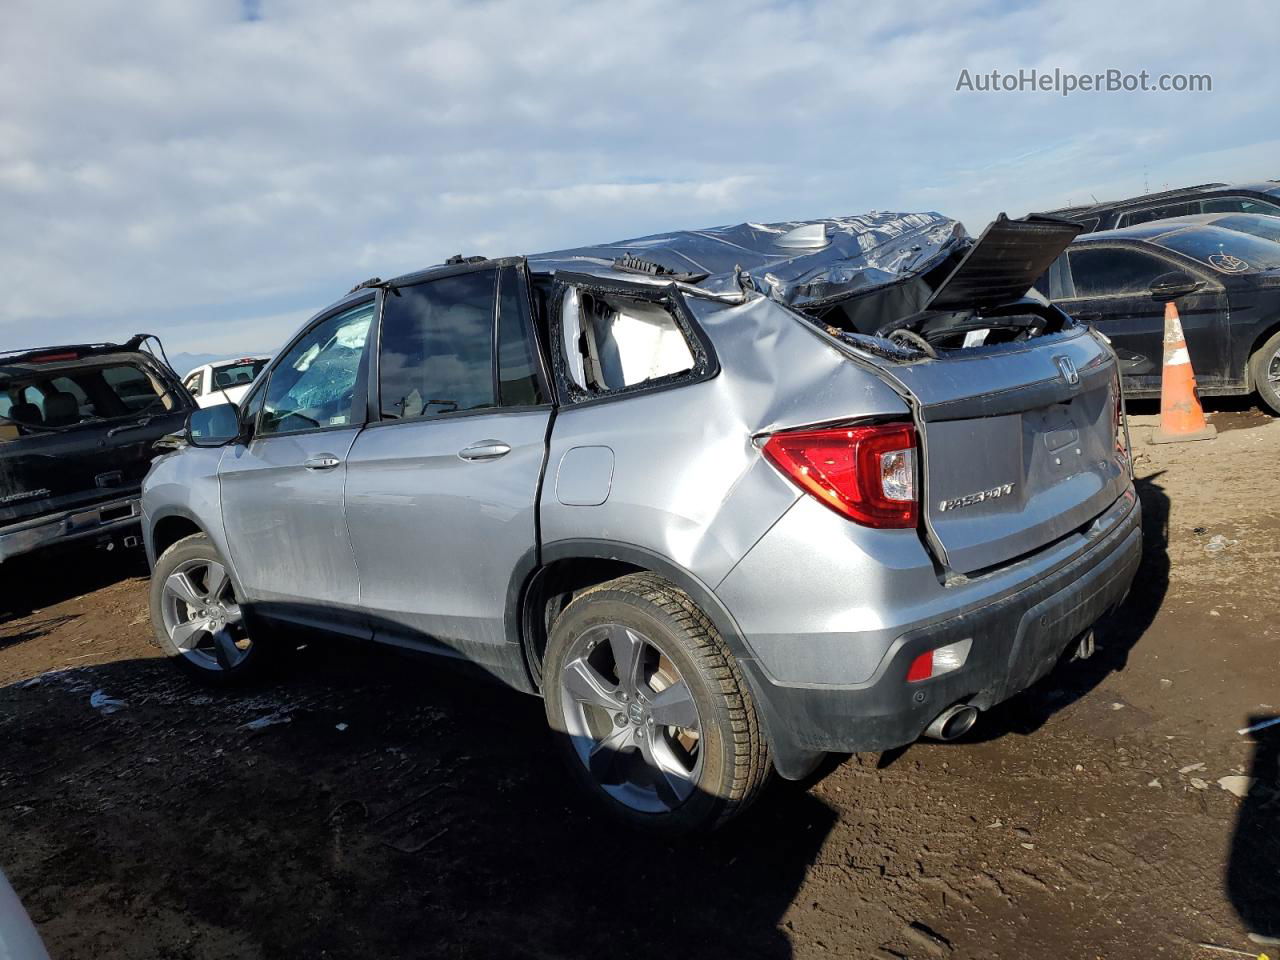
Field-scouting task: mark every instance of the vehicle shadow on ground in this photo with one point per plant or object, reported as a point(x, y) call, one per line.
point(1115, 635)
point(37, 580)
point(1253, 865)
point(385, 806)
point(34, 630)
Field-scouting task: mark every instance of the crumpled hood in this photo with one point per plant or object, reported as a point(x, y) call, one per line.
point(861, 253)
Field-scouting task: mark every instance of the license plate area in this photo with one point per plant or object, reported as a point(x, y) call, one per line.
point(1048, 628)
point(108, 514)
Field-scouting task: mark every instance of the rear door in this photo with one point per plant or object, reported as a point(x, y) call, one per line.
point(282, 492)
point(1109, 287)
point(442, 489)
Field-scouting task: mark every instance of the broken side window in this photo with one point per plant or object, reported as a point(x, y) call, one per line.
point(613, 343)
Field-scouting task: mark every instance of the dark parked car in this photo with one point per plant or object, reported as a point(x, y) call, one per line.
point(1254, 224)
point(1226, 285)
point(1260, 198)
point(77, 425)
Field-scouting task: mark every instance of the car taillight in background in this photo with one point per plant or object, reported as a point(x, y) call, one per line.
point(864, 473)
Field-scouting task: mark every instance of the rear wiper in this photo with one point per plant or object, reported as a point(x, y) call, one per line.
point(49, 427)
point(130, 426)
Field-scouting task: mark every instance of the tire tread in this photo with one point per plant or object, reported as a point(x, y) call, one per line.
point(751, 760)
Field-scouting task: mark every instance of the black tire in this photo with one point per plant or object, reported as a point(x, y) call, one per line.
point(256, 660)
point(734, 763)
point(1260, 369)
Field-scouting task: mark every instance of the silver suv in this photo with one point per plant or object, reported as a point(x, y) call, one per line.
point(728, 500)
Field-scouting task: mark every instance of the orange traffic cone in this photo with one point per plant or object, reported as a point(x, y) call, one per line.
point(1181, 416)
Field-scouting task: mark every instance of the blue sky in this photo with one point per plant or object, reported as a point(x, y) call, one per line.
point(215, 172)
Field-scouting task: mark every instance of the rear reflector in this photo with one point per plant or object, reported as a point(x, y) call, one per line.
point(865, 473)
point(934, 663)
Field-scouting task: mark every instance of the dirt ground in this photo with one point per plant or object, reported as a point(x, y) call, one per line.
point(378, 807)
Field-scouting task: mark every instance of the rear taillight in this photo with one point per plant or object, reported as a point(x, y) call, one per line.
point(865, 473)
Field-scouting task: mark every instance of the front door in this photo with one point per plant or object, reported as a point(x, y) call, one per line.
point(282, 492)
point(442, 490)
point(1112, 292)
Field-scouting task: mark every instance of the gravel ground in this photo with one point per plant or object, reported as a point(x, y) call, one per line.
point(372, 806)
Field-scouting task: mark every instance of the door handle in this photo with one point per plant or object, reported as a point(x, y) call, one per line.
point(485, 450)
point(326, 461)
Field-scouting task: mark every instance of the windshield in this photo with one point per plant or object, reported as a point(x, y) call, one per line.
point(238, 374)
point(1224, 250)
point(32, 396)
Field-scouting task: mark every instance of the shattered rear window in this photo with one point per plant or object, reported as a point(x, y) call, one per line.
point(613, 343)
point(69, 396)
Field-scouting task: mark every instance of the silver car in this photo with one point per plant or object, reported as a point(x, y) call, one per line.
point(727, 500)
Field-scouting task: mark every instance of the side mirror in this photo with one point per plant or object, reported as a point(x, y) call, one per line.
point(1171, 286)
point(213, 426)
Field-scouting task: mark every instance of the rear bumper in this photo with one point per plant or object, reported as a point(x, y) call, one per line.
point(1017, 638)
point(109, 517)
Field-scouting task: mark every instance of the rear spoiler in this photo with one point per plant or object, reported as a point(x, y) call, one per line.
point(138, 342)
point(1007, 259)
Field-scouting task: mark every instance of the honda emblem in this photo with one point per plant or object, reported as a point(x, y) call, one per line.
point(1068, 369)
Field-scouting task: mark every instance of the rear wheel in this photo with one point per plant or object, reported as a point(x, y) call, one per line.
point(650, 709)
point(197, 618)
point(1266, 373)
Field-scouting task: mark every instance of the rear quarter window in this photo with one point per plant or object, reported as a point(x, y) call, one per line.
point(611, 343)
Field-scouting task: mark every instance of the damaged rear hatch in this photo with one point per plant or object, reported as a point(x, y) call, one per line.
point(77, 425)
point(1018, 407)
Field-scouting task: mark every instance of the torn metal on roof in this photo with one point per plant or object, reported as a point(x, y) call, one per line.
point(794, 262)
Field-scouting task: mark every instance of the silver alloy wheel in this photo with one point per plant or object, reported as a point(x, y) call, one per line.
point(632, 718)
point(202, 617)
point(1273, 371)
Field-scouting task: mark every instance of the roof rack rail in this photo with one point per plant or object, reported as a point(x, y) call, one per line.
point(627, 263)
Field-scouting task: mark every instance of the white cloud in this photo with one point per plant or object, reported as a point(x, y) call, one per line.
point(170, 166)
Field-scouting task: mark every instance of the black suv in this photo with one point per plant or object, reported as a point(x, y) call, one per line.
point(1263, 198)
point(77, 425)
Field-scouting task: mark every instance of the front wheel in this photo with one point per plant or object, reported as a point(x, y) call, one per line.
point(650, 709)
point(1266, 373)
point(197, 618)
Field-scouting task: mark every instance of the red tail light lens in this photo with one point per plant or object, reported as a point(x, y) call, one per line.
point(867, 474)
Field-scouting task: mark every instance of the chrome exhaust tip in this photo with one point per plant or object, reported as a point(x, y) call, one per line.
point(952, 722)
